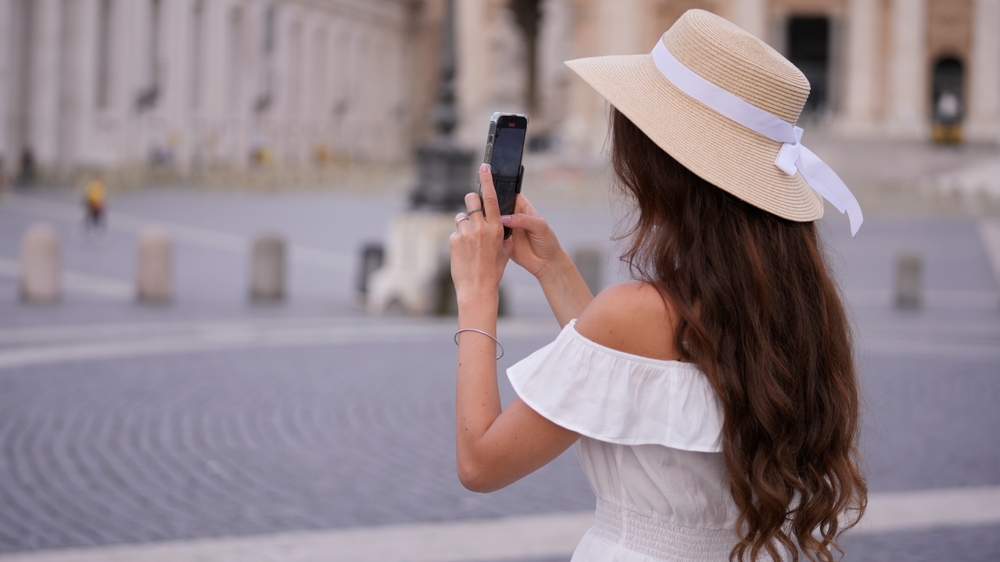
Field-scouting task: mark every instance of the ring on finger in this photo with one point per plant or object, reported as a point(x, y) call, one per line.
point(476, 210)
point(461, 218)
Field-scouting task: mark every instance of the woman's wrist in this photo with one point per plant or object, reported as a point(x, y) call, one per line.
point(557, 268)
point(481, 299)
point(564, 288)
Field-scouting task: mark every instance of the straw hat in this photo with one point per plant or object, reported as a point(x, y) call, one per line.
point(716, 148)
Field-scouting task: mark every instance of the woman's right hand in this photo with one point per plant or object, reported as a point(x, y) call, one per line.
point(534, 245)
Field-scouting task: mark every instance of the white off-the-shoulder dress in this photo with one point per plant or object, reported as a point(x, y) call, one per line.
point(650, 445)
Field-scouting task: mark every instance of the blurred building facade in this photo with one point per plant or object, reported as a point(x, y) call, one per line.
point(191, 83)
point(188, 83)
point(878, 68)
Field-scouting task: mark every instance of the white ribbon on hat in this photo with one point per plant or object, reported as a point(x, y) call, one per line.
point(792, 157)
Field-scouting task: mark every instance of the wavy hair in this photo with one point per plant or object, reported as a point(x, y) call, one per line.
point(762, 318)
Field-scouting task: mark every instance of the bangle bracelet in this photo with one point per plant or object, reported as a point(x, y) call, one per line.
point(487, 334)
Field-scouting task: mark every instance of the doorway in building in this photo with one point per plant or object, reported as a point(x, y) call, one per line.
point(947, 90)
point(809, 49)
point(947, 108)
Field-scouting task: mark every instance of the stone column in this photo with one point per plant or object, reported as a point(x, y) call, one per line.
point(611, 28)
point(124, 56)
point(44, 87)
point(396, 149)
point(211, 79)
point(983, 122)
point(620, 24)
point(908, 83)
point(173, 54)
point(554, 46)
point(862, 69)
point(69, 123)
point(601, 27)
point(236, 91)
point(751, 15)
point(256, 81)
point(7, 152)
point(475, 66)
point(282, 75)
point(194, 82)
point(583, 103)
point(85, 90)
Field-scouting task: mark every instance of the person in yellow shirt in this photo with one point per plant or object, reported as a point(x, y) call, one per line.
point(94, 199)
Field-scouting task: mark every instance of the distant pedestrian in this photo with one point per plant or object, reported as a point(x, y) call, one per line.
point(94, 206)
point(28, 172)
point(713, 402)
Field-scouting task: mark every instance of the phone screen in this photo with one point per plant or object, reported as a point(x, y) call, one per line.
point(504, 151)
point(507, 149)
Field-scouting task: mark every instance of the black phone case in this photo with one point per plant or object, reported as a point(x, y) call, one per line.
point(517, 189)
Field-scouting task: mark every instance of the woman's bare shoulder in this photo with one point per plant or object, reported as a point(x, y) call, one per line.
point(631, 317)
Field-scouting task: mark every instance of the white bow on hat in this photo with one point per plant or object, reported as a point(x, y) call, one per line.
point(793, 156)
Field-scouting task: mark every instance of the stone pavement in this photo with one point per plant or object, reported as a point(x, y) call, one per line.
point(138, 425)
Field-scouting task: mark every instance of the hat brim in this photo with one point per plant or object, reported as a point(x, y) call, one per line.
point(717, 149)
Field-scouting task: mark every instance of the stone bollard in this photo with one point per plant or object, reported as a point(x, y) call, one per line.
point(590, 261)
point(41, 265)
point(909, 273)
point(372, 258)
point(267, 269)
point(155, 266)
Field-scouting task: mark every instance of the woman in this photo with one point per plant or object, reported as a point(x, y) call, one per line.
point(713, 402)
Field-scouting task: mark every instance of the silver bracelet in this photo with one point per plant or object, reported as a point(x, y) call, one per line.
point(487, 334)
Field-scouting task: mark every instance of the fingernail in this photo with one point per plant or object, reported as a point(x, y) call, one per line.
point(484, 168)
point(506, 219)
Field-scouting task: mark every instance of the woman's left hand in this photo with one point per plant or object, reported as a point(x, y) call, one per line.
point(478, 252)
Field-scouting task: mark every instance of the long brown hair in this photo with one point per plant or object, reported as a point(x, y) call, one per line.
point(760, 315)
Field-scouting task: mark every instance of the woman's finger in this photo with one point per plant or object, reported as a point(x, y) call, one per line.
point(471, 204)
point(459, 219)
point(526, 222)
point(491, 208)
point(522, 205)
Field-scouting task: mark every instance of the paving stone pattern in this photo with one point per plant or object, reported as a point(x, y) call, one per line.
point(243, 442)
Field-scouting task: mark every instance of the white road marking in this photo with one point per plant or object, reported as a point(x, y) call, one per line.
point(23, 347)
point(74, 281)
point(239, 336)
point(192, 235)
point(509, 538)
point(463, 541)
point(67, 333)
point(928, 509)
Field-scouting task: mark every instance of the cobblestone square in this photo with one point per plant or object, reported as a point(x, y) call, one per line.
point(212, 417)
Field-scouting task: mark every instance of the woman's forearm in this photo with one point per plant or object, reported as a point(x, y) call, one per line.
point(477, 400)
point(564, 288)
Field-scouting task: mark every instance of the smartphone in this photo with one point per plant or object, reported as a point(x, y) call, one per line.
point(504, 149)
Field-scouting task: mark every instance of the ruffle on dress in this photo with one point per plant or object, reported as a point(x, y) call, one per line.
point(617, 397)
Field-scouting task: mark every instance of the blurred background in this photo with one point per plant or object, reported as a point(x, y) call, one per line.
point(225, 325)
point(161, 91)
